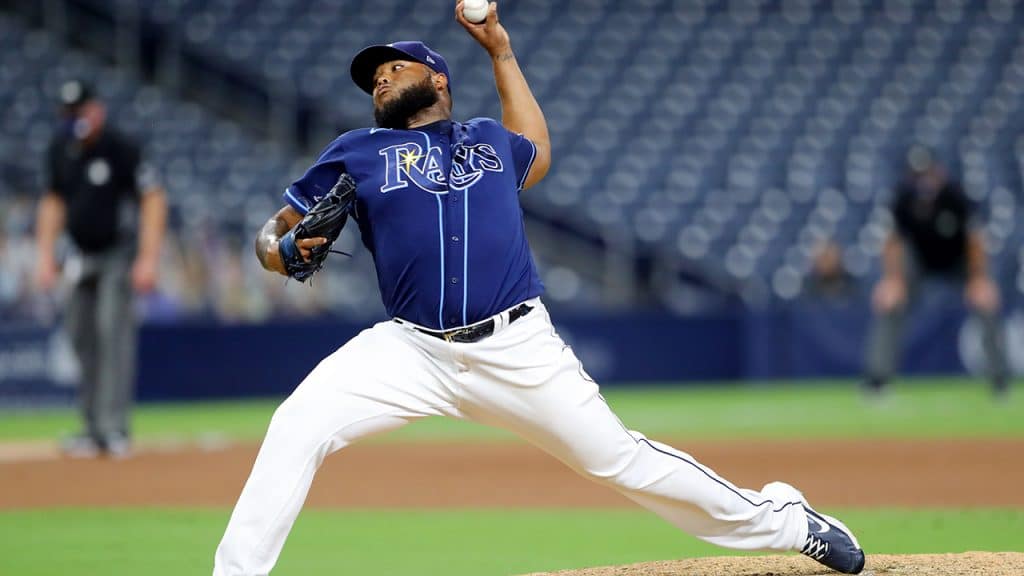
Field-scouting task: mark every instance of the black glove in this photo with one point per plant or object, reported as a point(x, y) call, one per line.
point(324, 220)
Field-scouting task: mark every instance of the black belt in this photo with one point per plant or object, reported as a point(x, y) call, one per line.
point(476, 332)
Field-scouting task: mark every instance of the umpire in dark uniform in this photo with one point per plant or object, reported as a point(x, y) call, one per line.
point(115, 213)
point(933, 238)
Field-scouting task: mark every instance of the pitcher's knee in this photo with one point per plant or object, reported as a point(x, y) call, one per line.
point(616, 469)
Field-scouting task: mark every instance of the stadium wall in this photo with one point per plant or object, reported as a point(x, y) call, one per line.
point(212, 360)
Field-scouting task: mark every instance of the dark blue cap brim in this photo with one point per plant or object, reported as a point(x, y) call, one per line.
point(365, 63)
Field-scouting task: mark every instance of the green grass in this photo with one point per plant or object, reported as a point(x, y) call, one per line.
point(159, 542)
point(914, 409)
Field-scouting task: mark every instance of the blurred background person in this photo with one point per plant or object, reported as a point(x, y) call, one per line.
point(935, 237)
point(115, 212)
point(17, 256)
point(829, 279)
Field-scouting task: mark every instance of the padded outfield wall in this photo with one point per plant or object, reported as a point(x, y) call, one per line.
point(203, 359)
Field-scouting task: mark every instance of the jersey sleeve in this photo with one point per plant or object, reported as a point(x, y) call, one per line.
point(966, 208)
point(53, 180)
point(145, 176)
point(900, 209)
point(305, 192)
point(139, 176)
point(524, 152)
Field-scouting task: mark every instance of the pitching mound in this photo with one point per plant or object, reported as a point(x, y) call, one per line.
point(968, 564)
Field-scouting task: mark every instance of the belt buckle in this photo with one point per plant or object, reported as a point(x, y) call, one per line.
point(455, 333)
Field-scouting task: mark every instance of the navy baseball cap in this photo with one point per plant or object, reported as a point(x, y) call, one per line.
point(365, 63)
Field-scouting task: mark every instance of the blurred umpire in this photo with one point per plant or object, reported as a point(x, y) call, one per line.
point(934, 237)
point(115, 213)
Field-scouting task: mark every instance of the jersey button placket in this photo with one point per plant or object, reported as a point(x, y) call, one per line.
point(454, 256)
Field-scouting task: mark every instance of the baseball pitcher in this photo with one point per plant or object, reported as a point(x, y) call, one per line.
point(437, 205)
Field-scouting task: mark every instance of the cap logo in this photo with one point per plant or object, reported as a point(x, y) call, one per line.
point(431, 60)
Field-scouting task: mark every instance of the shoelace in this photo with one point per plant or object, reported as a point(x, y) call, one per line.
point(815, 547)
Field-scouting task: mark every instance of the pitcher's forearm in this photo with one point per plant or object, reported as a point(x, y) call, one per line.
point(520, 111)
point(266, 241)
point(266, 244)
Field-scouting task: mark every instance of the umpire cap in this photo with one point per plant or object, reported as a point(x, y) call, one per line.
point(365, 63)
point(74, 93)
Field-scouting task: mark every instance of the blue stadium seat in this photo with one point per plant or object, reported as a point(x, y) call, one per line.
point(734, 136)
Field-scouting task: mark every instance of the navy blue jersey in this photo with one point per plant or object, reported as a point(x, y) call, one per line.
point(438, 207)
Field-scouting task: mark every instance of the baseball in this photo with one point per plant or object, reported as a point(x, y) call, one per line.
point(475, 10)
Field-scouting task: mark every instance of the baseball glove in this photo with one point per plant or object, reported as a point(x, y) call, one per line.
point(324, 220)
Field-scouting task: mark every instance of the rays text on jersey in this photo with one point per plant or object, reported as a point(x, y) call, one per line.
point(408, 162)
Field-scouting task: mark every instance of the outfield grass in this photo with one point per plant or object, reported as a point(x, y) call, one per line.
point(162, 542)
point(159, 542)
point(914, 409)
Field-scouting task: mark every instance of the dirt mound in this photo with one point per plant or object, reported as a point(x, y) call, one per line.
point(967, 564)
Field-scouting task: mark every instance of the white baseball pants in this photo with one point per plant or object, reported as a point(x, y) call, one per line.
point(522, 378)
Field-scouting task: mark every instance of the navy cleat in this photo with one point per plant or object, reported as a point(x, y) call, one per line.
point(831, 543)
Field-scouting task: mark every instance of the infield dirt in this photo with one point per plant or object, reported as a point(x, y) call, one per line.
point(846, 473)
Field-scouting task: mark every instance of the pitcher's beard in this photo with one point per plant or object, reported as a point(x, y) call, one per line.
point(396, 112)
